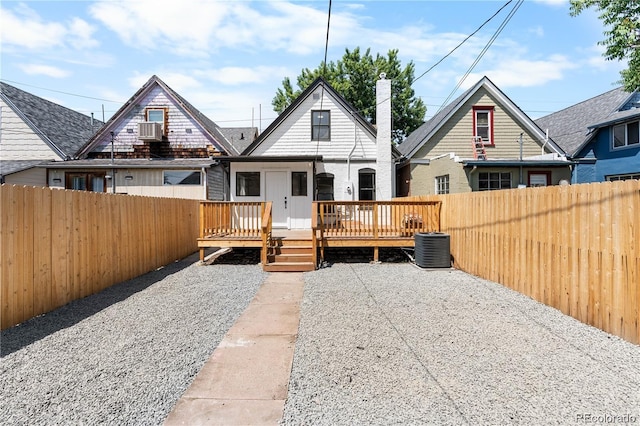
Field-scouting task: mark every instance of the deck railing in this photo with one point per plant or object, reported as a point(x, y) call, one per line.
point(240, 219)
point(376, 219)
point(267, 223)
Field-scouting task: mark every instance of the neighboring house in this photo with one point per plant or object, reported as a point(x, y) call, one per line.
point(601, 135)
point(319, 148)
point(156, 144)
point(480, 141)
point(34, 130)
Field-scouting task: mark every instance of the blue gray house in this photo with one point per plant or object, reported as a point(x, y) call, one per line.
point(601, 135)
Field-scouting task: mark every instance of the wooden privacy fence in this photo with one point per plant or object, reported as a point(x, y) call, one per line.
point(576, 248)
point(58, 245)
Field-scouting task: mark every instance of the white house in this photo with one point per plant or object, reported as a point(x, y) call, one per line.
point(319, 148)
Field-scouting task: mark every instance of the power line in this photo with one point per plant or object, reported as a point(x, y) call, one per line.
point(59, 91)
point(463, 41)
point(484, 50)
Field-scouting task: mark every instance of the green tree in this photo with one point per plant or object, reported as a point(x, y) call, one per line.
point(354, 77)
point(622, 36)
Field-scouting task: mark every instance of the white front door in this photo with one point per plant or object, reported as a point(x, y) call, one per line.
point(277, 191)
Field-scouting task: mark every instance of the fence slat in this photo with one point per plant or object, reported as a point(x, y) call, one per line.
point(59, 245)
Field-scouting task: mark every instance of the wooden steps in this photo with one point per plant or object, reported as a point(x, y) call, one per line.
point(293, 254)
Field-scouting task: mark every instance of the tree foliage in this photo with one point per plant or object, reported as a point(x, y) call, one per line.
point(622, 33)
point(354, 77)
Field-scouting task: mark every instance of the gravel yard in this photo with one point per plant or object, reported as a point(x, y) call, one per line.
point(386, 343)
point(123, 356)
point(383, 343)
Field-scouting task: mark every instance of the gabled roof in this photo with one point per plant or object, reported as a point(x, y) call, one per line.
point(240, 137)
point(207, 124)
point(296, 103)
point(569, 127)
point(65, 131)
point(422, 134)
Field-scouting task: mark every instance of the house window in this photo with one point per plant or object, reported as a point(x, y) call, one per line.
point(85, 181)
point(488, 181)
point(320, 125)
point(442, 184)
point(367, 184)
point(248, 184)
point(539, 179)
point(483, 123)
point(626, 135)
point(299, 184)
point(324, 187)
point(627, 176)
point(181, 177)
point(157, 115)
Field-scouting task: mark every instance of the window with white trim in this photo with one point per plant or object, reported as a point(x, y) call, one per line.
point(627, 134)
point(321, 125)
point(298, 184)
point(367, 184)
point(442, 184)
point(626, 176)
point(488, 181)
point(248, 184)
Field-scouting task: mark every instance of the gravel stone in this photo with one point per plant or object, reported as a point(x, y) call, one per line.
point(391, 343)
point(126, 355)
point(378, 344)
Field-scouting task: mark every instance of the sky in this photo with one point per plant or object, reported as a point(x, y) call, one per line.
point(228, 58)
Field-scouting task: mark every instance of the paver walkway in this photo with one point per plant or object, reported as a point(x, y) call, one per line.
point(245, 381)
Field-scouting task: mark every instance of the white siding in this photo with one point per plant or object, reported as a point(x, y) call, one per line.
point(293, 135)
point(299, 207)
point(18, 141)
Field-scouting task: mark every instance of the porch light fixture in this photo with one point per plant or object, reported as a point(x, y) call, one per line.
point(128, 177)
point(57, 180)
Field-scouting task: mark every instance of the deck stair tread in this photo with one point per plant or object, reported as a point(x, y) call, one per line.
point(290, 254)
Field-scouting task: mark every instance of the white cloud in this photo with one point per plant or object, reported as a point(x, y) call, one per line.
point(525, 73)
point(183, 27)
point(23, 28)
point(555, 3)
point(47, 70)
point(239, 75)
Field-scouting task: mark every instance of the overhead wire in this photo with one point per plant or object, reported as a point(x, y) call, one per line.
point(463, 41)
point(482, 52)
point(324, 76)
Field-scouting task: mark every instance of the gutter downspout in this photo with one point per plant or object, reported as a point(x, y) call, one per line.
point(353, 148)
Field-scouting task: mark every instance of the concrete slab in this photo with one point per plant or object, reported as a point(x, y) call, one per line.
point(246, 379)
point(246, 368)
point(272, 292)
point(211, 412)
point(268, 319)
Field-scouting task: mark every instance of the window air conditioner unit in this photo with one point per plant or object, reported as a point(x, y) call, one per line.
point(150, 131)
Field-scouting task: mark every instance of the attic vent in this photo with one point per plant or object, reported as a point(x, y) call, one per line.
point(316, 96)
point(150, 131)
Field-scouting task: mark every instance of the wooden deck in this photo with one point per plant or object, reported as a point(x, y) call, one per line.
point(334, 224)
